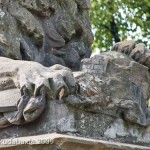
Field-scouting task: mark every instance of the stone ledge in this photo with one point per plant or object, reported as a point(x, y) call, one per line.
point(64, 142)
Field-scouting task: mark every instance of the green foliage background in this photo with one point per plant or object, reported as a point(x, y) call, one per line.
point(115, 20)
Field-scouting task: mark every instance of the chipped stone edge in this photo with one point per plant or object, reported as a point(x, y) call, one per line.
point(59, 139)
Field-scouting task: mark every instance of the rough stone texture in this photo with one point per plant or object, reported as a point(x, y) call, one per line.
point(64, 142)
point(138, 52)
point(25, 87)
point(46, 31)
point(8, 102)
point(126, 84)
point(108, 100)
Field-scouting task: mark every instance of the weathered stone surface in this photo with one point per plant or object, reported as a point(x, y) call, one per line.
point(25, 86)
point(46, 31)
point(64, 142)
point(138, 52)
point(126, 83)
point(9, 99)
point(107, 99)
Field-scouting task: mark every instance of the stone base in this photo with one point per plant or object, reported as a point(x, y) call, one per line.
point(63, 119)
point(63, 142)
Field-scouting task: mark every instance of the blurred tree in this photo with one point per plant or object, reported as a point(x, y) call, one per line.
point(115, 20)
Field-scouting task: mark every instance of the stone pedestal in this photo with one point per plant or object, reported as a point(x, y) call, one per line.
point(63, 142)
point(61, 118)
point(107, 100)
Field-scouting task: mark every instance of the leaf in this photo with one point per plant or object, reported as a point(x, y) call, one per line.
point(125, 13)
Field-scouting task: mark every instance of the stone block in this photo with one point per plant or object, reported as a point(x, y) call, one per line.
point(63, 142)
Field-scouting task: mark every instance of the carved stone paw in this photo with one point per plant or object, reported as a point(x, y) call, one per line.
point(36, 84)
point(138, 52)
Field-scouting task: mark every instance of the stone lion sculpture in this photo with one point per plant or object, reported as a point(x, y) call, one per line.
point(42, 39)
point(111, 82)
point(28, 85)
point(46, 31)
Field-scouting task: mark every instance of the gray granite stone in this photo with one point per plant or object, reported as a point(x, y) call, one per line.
point(9, 99)
point(64, 142)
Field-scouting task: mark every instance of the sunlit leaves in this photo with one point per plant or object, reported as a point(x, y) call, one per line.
point(130, 18)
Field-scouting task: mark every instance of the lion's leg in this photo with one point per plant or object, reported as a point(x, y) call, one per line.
point(35, 107)
point(16, 117)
